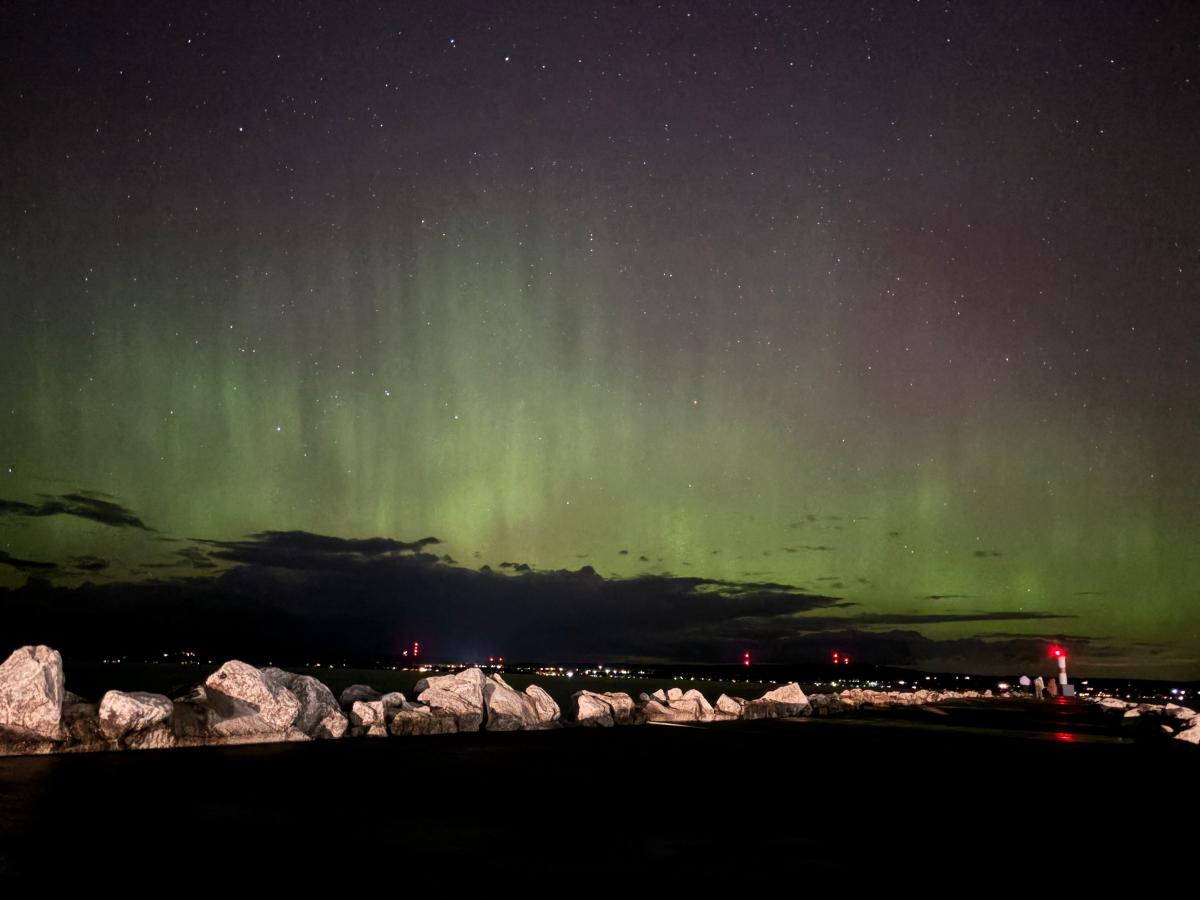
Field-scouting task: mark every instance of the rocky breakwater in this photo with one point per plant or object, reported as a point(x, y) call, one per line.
point(1179, 722)
point(857, 698)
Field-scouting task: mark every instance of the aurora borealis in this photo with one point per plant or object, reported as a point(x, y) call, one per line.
point(891, 306)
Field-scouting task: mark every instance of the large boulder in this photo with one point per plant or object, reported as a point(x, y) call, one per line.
point(320, 713)
point(654, 711)
point(240, 681)
point(507, 709)
point(31, 694)
point(367, 713)
point(122, 713)
point(781, 703)
point(460, 695)
point(603, 710)
point(547, 710)
point(694, 703)
point(730, 705)
point(416, 719)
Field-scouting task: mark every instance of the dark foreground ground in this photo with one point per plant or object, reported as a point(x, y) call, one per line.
point(992, 793)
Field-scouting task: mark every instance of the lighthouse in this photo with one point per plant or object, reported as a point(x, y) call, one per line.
point(1064, 689)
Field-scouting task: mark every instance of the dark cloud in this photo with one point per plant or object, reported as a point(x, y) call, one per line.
point(90, 505)
point(818, 547)
point(622, 553)
point(643, 559)
point(895, 533)
point(304, 550)
point(89, 563)
point(196, 558)
point(25, 565)
point(980, 554)
point(946, 597)
point(296, 595)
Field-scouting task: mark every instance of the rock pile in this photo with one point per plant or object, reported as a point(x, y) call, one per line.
point(1179, 722)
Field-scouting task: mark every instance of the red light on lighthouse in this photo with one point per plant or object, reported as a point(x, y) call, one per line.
point(1057, 651)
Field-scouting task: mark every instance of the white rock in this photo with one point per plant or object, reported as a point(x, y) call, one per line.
point(460, 695)
point(394, 698)
point(653, 711)
point(1191, 735)
point(507, 710)
point(367, 713)
point(320, 713)
point(660, 695)
point(588, 708)
point(606, 709)
point(31, 694)
point(547, 709)
point(122, 713)
point(421, 720)
point(674, 693)
point(731, 705)
point(276, 704)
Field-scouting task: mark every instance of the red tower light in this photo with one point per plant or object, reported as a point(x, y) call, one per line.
point(746, 658)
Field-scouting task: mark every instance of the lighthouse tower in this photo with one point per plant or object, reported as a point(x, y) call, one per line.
point(1064, 688)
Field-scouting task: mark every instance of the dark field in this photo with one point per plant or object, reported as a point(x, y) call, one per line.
point(1008, 793)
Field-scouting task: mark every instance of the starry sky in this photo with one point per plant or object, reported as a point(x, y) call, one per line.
point(679, 327)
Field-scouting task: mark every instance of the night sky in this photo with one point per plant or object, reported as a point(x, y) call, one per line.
point(705, 327)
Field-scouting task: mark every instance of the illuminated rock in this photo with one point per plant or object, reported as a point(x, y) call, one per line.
point(31, 694)
point(660, 695)
point(604, 710)
point(320, 713)
point(1190, 735)
point(547, 709)
point(419, 720)
point(367, 713)
point(122, 713)
point(158, 737)
point(277, 705)
point(507, 709)
point(460, 695)
point(653, 711)
point(781, 703)
point(674, 694)
point(731, 706)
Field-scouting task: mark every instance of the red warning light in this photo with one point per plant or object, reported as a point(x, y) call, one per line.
point(846, 660)
point(835, 657)
point(746, 658)
point(1057, 651)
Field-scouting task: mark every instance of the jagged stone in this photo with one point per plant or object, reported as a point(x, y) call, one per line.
point(730, 705)
point(367, 714)
point(122, 713)
point(654, 711)
point(603, 710)
point(31, 694)
point(157, 737)
point(547, 710)
point(276, 705)
point(320, 713)
point(421, 720)
point(674, 693)
point(460, 694)
point(507, 709)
